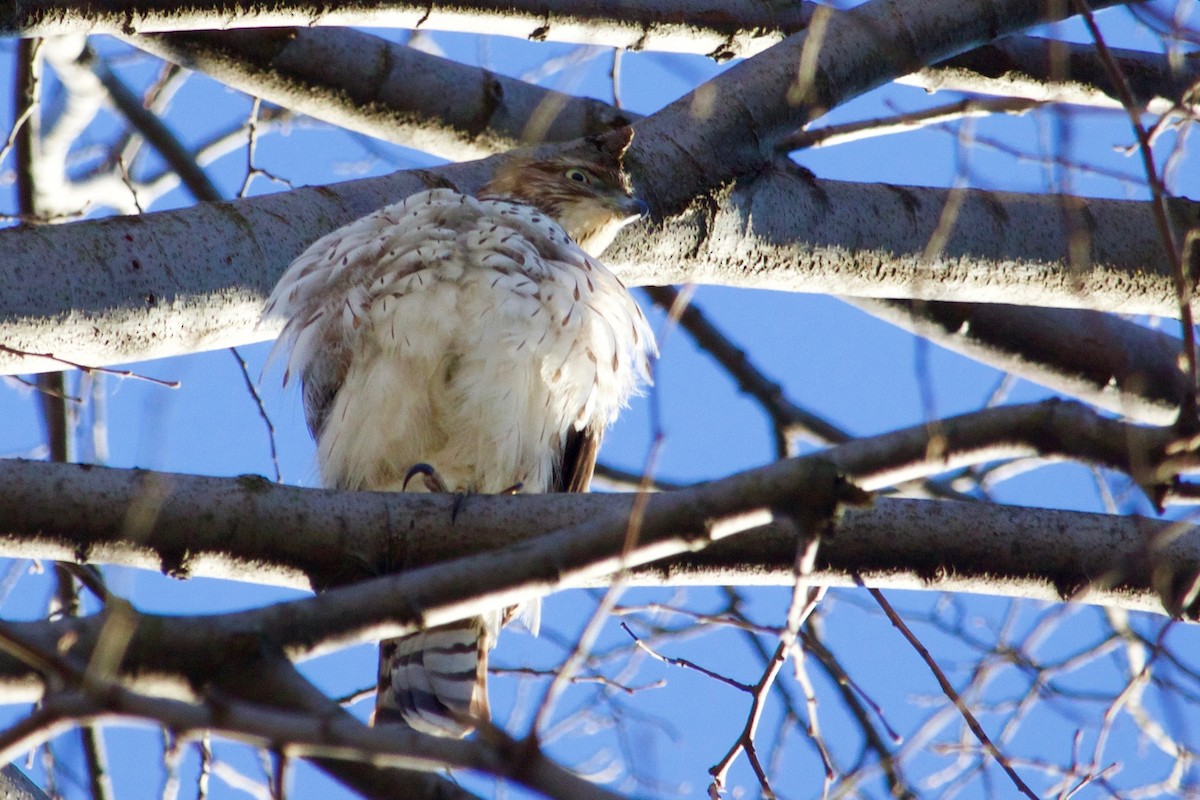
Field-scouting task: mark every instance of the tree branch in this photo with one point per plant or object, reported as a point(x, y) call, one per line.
point(786, 231)
point(1064, 72)
point(719, 28)
point(249, 529)
point(1106, 361)
point(195, 279)
point(170, 649)
point(367, 84)
point(898, 543)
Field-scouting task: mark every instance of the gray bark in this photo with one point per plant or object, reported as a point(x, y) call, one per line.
point(1063, 72)
point(787, 231)
point(386, 90)
point(15, 786)
point(195, 279)
point(249, 528)
point(718, 28)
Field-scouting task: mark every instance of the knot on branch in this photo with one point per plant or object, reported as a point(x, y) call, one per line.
point(827, 493)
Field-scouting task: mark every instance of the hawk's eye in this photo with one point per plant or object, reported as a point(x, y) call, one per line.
point(577, 174)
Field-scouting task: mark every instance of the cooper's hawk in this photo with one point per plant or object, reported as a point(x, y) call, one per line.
point(478, 340)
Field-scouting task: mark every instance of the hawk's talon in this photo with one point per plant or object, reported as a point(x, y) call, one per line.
point(514, 489)
point(433, 481)
point(460, 500)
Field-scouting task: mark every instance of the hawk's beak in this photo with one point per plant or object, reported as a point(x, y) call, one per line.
point(635, 208)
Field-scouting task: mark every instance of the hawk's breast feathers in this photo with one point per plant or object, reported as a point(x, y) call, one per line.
point(470, 334)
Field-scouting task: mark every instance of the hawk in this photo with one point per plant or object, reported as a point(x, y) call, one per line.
point(475, 341)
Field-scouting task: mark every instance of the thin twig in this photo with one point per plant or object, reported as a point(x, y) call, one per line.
point(251, 146)
point(153, 129)
point(683, 662)
point(949, 690)
point(855, 699)
point(262, 410)
point(804, 601)
point(120, 373)
point(602, 680)
point(903, 123)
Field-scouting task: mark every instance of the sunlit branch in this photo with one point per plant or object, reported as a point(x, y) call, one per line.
point(399, 94)
point(1065, 72)
point(831, 135)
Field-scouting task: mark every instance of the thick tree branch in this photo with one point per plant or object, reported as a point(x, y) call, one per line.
point(195, 279)
point(1017, 66)
point(174, 282)
point(281, 535)
point(370, 85)
point(719, 28)
point(367, 84)
point(265, 533)
point(785, 230)
point(249, 529)
point(168, 649)
point(746, 110)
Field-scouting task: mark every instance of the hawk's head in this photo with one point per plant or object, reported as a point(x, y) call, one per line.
point(585, 190)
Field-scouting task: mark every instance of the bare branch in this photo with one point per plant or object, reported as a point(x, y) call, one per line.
point(195, 279)
point(330, 736)
point(1109, 362)
point(973, 723)
point(1065, 72)
point(240, 535)
point(155, 131)
point(250, 529)
point(396, 93)
point(715, 27)
point(830, 135)
point(787, 231)
point(162, 649)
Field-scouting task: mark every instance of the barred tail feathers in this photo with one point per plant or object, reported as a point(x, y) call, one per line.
point(435, 681)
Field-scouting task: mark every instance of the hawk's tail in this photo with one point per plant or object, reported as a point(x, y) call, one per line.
point(435, 681)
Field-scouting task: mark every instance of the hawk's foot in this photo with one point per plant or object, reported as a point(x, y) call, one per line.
point(429, 476)
point(434, 483)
